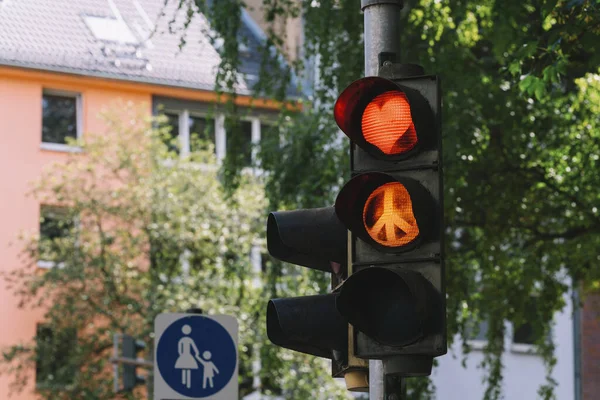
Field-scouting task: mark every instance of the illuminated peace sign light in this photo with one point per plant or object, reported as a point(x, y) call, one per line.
point(390, 214)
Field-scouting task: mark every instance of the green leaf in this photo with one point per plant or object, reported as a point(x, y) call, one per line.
point(526, 83)
point(547, 7)
point(515, 68)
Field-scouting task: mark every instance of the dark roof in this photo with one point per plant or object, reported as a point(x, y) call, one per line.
point(57, 35)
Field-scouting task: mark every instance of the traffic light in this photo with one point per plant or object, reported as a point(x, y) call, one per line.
point(395, 297)
point(316, 239)
point(130, 349)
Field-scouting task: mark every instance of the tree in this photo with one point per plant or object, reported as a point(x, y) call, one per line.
point(141, 231)
point(521, 88)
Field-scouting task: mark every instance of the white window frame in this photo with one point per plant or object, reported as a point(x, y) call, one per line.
point(220, 134)
point(63, 147)
point(184, 112)
point(256, 137)
point(524, 348)
point(184, 131)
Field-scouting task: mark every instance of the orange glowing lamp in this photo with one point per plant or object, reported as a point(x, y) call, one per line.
point(387, 120)
point(391, 214)
point(388, 216)
point(387, 123)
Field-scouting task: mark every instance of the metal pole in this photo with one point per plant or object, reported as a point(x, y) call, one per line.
point(376, 380)
point(382, 43)
point(116, 338)
point(382, 33)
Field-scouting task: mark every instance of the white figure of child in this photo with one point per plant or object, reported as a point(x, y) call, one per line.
point(209, 369)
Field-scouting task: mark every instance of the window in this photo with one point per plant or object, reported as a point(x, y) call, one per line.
point(478, 335)
point(250, 135)
point(54, 224)
point(194, 124)
point(171, 140)
point(246, 131)
point(54, 357)
point(201, 128)
point(187, 130)
point(110, 29)
point(60, 118)
point(524, 335)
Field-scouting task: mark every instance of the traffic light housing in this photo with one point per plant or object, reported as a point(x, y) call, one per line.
point(130, 349)
point(316, 239)
point(393, 206)
point(390, 287)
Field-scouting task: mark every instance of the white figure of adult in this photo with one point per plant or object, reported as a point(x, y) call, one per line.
point(186, 362)
point(209, 369)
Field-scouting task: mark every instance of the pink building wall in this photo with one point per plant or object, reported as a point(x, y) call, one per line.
point(21, 161)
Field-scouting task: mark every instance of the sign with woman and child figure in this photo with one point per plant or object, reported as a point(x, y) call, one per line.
point(195, 357)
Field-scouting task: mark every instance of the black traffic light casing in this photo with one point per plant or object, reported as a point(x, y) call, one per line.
point(313, 238)
point(130, 348)
point(395, 298)
point(316, 239)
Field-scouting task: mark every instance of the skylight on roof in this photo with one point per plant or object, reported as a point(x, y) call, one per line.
point(110, 29)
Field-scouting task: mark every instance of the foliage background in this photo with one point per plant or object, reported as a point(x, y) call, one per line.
point(520, 135)
point(521, 146)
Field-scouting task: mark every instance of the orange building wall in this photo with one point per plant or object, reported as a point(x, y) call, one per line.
point(21, 161)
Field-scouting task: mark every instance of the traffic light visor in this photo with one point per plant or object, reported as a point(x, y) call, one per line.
point(388, 215)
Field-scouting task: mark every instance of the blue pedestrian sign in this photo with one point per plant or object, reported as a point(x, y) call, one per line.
point(195, 357)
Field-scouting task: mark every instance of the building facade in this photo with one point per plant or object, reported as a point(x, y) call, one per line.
point(61, 64)
point(523, 372)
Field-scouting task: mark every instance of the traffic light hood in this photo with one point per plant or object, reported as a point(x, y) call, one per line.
point(308, 324)
point(312, 238)
point(388, 120)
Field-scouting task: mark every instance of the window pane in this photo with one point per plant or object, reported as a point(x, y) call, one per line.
point(59, 118)
point(201, 129)
point(54, 223)
point(54, 361)
point(524, 334)
point(172, 139)
point(246, 130)
point(269, 134)
point(480, 333)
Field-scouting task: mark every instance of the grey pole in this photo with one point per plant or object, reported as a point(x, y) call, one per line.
point(382, 33)
point(382, 43)
point(376, 391)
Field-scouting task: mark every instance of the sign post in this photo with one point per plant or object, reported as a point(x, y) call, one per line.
point(195, 357)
